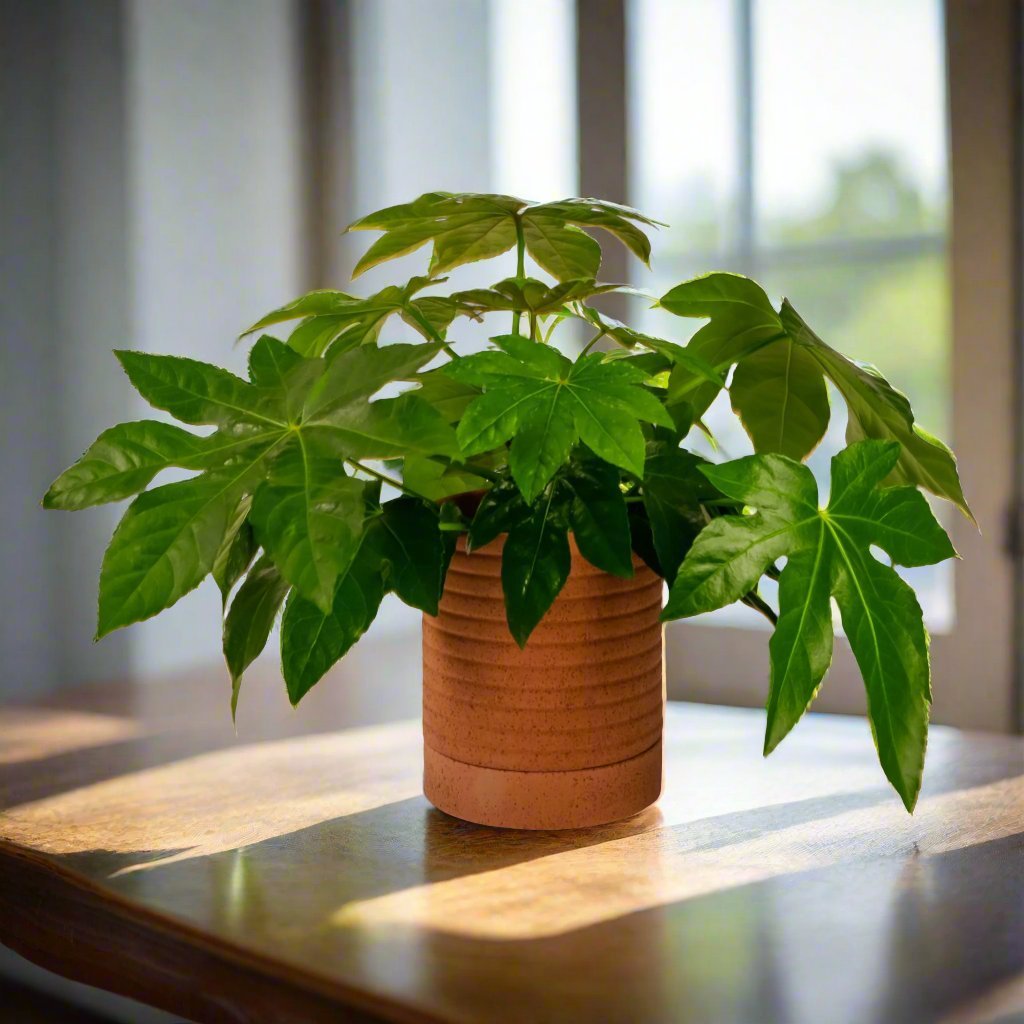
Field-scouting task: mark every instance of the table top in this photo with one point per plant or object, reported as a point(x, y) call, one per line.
point(305, 877)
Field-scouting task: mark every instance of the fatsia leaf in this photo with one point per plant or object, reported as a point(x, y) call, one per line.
point(529, 296)
point(545, 404)
point(743, 322)
point(353, 377)
point(411, 545)
point(673, 490)
point(433, 479)
point(779, 395)
point(562, 250)
point(463, 228)
point(445, 394)
point(828, 553)
point(309, 518)
point(387, 428)
point(598, 516)
point(877, 410)
point(250, 619)
point(311, 640)
point(196, 392)
point(721, 295)
point(673, 353)
point(501, 508)
point(535, 564)
point(334, 321)
point(469, 227)
point(168, 541)
point(778, 390)
point(121, 462)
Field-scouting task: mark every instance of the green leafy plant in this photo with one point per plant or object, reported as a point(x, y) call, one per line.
point(286, 509)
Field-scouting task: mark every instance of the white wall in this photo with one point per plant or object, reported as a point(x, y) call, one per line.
point(215, 149)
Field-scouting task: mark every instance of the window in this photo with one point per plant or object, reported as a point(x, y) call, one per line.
point(758, 133)
point(825, 148)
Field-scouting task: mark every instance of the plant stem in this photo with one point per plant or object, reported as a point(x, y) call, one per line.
point(593, 341)
point(429, 328)
point(520, 266)
point(484, 474)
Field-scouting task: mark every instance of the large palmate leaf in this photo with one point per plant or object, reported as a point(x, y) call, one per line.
point(283, 437)
point(469, 227)
point(828, 554)
point(545, 404)
point(530, 296)
point(334, 321)
point(778, 389)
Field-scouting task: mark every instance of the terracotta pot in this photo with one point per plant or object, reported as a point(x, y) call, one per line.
point(563, 734)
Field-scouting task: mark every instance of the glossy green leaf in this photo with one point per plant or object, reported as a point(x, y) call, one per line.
point(535, 564)
point(237, 550)
point(250, 619)
point(356, 376)
point(387, 428)
point(469, 227)
point(196, 392)
point(828, 552)
point(167, 542)
point(718, 295)
point(411, 544)
point(121, 462)
point(545, 404)
point(311, 640)
point(432, 479)
point(309, 519)
point(562, 250)
point(877, 410)
point(445, 394)
point(673, 489)
point(501, 508)
point(598, 517)
point(334, 321)
point(779, 395)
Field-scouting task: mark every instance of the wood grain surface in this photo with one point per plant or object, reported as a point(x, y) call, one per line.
point(303, 877)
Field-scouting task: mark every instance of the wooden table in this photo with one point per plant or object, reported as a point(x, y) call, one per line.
point(305, 878)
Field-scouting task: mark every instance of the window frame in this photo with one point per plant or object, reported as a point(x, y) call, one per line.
point(727, 664)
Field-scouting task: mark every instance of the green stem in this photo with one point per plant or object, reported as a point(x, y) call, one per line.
point(384, 478)
point(520, 266)
point(429, 328)
point(593, 341)
point(484, 474)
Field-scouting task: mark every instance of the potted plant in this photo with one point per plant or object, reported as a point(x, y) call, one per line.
point(541, 504)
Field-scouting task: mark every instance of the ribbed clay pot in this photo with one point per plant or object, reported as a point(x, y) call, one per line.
point(565, 733)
